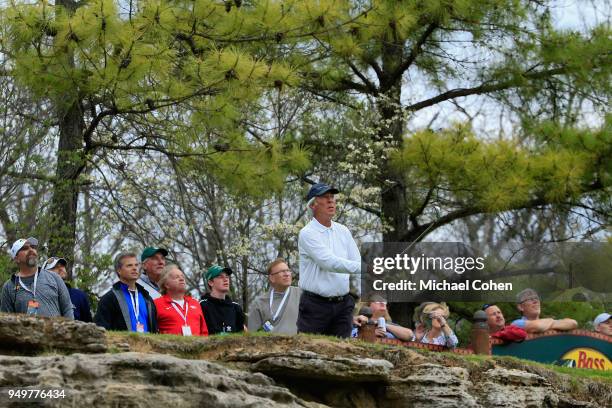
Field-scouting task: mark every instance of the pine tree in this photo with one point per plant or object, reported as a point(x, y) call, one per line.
point(507, 50)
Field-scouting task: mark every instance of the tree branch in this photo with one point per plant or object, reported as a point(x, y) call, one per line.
point(392, 78)
point(483, 88)
point(422, 230)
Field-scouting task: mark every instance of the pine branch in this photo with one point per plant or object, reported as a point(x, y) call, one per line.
point(392, 78)
point(484, 88)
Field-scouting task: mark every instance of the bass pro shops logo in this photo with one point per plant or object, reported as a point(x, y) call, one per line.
point(587, 358)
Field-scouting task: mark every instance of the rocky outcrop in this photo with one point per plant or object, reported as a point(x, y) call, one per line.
point(142, 380)
point(28, 334)
point(358, 381)
point(431, 385)
point(307, 364)
point(228, 371)
point(513, 388)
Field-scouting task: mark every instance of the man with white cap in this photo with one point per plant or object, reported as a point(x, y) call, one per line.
point(80, 302)
point(329, 257)
point(33, 291)
point(603, 324)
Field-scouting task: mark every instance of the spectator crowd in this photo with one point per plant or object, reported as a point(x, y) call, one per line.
point(150, 294)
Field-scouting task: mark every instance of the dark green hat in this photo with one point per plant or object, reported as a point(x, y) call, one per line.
point(150, 251)
point(217, 270)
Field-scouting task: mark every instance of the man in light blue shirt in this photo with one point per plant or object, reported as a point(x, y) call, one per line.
point(528, 303)
point(328, 258)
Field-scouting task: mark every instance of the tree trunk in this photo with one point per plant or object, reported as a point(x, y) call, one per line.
point(393, 195)
point(394, 207)
point(70, 164)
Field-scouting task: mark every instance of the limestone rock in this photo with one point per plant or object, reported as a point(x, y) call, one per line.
point(513, 388)
point(431, 385)
point(143, 380)
point(307, 364)
point(34, 333)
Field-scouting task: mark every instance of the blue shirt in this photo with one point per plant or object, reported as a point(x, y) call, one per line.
point(80, 304)
point(142, 308)
point(520, 322)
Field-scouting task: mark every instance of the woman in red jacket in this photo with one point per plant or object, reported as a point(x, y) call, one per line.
point(178, 313)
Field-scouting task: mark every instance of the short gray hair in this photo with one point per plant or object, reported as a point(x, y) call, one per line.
point(119, 259)
point(309, 205)
point(164, 276)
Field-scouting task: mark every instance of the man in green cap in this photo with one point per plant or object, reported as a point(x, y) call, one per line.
point(222, 315)
point(153, 262)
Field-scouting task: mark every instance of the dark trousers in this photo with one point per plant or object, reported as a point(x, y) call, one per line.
point(320, 316)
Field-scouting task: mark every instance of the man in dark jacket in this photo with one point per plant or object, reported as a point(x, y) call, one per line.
point(80, 302)
point(127, 306)
point(221, 314)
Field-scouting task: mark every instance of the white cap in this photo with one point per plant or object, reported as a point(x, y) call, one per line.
point(52, 262)
point(17, 245)
point(601, 318)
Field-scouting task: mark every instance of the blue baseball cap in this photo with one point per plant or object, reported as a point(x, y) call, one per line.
point(319, 189)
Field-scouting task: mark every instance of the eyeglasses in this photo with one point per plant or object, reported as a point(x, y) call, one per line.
point(281, 271)
point(28, 247)
point(530, 300)
point(380, 303)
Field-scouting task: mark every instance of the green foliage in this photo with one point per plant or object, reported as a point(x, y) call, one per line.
point(194, 57)
point(502, 174)
point(7, 267)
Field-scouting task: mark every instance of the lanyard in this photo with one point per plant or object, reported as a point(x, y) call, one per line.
point(184, 316)
point(280, 307)
point(135, 303)
point(33, 291)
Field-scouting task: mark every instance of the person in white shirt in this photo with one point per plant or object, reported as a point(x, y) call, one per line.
point(328, 258)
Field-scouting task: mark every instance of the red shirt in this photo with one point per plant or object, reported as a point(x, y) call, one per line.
point(170, 321)
point(510, 333)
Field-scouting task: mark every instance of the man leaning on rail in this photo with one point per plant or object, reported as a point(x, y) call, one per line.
point(528, 303)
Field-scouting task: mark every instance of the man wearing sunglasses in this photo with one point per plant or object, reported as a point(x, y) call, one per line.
point(33, 291)
point(528, 303)
point(277, 310)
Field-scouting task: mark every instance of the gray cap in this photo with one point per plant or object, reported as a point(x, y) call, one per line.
point(526, 294)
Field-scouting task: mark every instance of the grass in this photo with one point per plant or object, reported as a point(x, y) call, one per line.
point(605, 376)
point(582, 372)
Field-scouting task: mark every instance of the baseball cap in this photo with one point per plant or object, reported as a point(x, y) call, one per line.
point(17, 245)
point(53, 261)
point(526, 294)
point(601, 318)
point(150, 251)
point(319, 189)
point(217, 270)
point(376, 298)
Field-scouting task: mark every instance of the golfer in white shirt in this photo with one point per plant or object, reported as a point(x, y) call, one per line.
point(328, 257)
